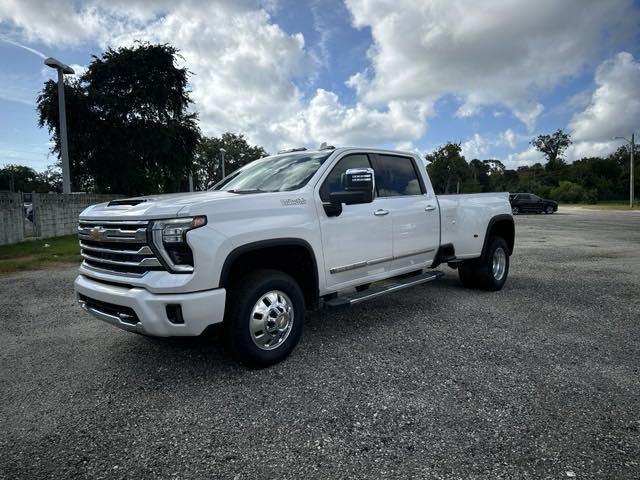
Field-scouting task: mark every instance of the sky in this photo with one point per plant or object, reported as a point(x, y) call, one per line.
point(401, 74)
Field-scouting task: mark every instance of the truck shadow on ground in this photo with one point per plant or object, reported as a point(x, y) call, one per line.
point(195, 359)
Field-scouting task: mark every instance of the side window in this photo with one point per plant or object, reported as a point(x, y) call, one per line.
point(396, 176)
point(333, 182)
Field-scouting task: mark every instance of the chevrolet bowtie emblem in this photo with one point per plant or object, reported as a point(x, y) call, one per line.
point(97, 233)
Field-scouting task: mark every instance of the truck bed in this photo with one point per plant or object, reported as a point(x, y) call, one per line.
point(464, 219)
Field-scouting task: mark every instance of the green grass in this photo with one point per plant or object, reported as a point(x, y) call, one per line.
point(605, 205)
point(33, 254)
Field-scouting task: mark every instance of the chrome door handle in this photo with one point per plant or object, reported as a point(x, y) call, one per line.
point(429, 208)
point(381, 213)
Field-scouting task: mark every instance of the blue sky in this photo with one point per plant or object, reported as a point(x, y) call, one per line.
point(400, 74)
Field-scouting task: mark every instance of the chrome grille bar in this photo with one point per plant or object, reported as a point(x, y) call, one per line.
point(145, 262)
point(113, 234)
point(141, 251)
point(117, 247)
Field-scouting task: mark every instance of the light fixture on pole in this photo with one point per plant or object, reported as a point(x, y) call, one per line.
point(222, 152)
point(64, 146)
point(632, 145)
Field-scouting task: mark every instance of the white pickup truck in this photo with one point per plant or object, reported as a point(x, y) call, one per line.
point(282, 235)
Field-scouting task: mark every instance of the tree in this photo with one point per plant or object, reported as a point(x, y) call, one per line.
point(447, 168)
point(130, 128)
point(208, 166)
point(553, 147)
point(19, 178)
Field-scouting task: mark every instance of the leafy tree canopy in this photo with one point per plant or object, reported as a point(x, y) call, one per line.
point(19, 178)
point(553, 147)
point(129, 123)
point(208, 161)
point(447, 167)
point(586, 180)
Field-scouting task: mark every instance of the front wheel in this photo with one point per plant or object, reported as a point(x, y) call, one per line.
point(490, 271)
point(264, 318)
point(515, 210)
point(549, 210)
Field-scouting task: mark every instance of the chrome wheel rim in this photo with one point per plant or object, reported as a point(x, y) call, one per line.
point(549, 209)
point(515, 210)
point(271, 320)
point(499, 263)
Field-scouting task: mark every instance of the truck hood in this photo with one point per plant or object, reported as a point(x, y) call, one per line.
point(151, 206)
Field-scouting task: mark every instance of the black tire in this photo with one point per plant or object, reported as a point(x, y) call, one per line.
point(549, 210)
point(479, 273)
point(241, 300)
point(515, 210)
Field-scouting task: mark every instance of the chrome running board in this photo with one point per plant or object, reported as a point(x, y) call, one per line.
point(371, 293)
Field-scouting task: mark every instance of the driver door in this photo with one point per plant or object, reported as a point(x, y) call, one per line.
point(357, 243)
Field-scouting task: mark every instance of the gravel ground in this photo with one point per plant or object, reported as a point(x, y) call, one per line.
point(540, 380)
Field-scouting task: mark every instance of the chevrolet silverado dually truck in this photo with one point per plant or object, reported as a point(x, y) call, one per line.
point(284, 234)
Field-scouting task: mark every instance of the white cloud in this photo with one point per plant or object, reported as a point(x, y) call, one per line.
point(244, 66)
point(526, 157)
point(248, 71)
point(476, 147)
point(479, 146)
point(326, 119)
point(580, 150)
point(615, 104)
point(490, 52)
point(508, 138)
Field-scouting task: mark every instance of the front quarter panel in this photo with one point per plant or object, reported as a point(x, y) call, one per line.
point(248, 219)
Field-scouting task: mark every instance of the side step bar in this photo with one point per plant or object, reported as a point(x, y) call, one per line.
point(353, 298)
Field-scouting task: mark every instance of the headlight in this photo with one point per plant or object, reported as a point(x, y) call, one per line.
point(170, 240)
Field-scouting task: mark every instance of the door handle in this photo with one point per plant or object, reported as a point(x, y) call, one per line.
point(381, 213)
point(429, 208)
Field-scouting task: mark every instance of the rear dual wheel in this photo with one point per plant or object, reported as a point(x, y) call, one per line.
point(490, 271)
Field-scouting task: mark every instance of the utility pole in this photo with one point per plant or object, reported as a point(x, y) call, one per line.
point(632, 144)
point(64, 147)
point(631, 192)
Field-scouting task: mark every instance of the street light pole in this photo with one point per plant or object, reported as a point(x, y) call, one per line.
point(632, 144)
point(64, 146)
point(222, 152)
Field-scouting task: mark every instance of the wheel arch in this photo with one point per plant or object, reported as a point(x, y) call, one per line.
point(503, 226)
point(293, 256)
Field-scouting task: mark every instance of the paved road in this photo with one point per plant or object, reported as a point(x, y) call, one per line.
point(535, 381)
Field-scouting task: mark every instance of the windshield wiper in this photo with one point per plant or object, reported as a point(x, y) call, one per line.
point(248, 190)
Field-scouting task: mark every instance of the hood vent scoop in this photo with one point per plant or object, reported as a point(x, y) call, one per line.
point(126, 201)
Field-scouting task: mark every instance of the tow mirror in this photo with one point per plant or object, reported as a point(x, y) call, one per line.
point(358, 185)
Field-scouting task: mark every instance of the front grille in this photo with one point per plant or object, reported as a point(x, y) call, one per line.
point(117, 247)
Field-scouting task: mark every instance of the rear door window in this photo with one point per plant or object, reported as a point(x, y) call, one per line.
point(396, 176)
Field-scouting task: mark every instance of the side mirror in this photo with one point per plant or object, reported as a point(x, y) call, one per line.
point(359, 187)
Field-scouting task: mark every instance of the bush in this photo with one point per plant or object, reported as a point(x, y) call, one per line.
point(569, 192)
point(591, 196)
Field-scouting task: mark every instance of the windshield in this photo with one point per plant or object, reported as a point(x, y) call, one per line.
point(279, 173)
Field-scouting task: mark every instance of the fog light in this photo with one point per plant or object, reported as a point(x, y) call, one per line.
point(174, 313)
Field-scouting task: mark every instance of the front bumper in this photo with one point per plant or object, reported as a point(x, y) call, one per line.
point(146, 312)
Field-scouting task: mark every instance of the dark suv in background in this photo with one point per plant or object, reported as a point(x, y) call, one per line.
point(528, 202)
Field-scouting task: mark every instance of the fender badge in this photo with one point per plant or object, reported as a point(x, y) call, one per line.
point(288, 202)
